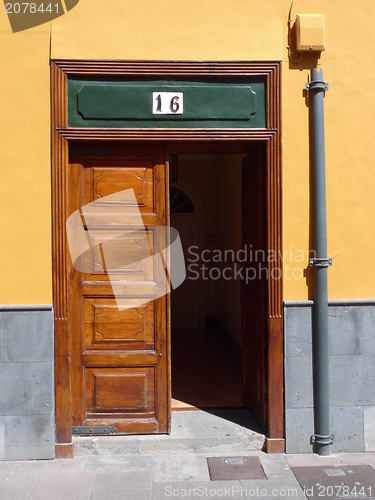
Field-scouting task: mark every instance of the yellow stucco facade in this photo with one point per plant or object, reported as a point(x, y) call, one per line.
point(198, 30)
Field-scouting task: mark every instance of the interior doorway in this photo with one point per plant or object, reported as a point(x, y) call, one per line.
point(187, 217)
point(205, 208)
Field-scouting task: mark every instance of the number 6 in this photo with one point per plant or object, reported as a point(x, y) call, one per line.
point(174, 105)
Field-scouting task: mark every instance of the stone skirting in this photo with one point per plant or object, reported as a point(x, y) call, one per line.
point(351, 327)
point(27, 412)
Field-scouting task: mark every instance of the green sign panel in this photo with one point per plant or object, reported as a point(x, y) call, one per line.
point(166, 104)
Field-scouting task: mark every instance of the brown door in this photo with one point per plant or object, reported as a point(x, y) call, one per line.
point(253, 292)
point(118, 317)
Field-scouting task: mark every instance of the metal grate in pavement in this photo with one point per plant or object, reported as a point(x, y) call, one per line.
point(235, 468)
point(344, 482)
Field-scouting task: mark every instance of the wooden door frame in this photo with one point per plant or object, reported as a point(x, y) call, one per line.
point(62, 136)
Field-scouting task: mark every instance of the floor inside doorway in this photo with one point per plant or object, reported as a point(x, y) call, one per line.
point(206, 371)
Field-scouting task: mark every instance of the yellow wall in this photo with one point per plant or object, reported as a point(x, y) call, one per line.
point(196, 29)
point(25, 200)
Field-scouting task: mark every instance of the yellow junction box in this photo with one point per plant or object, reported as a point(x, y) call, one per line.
point(310, 32)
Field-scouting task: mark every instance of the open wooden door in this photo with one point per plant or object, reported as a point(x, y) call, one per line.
point(119, 355)
point(254, 284)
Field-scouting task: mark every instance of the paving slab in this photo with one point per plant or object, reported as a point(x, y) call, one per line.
point(157, 476)
point(185, 467)
point(276, 488)
point(357, 459)
point(120, 463)
point(20, 475)
point(8, 493)
point(78, 463)
point(121, 495)
point(350, 481)
point(219, 489)
point(295, 460)
point(63, 485)
point(173, 489)
point(272, 463)
point(122, 480)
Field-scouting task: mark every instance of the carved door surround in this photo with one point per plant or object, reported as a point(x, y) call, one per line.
point(218, 140)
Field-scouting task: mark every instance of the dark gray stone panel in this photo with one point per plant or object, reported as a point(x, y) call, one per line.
point(28, 388)
point(352, 380)
point(298, 382)
point(369, 427)
point(352, 376)
point(30, 437)
point(347, 427)
point(344, 326)
point(28, 336)
point(299, 426)
point(2, 432)
point(1, 337)
point(298, 331)
point(368, 330)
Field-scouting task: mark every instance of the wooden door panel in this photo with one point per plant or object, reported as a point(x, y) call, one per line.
point(121, 390)
point(119, 317)
point(107, 327)
point(119, 176)
point(135, 244)
point(254, 291)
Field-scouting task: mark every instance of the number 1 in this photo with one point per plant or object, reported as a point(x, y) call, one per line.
point(159, 103)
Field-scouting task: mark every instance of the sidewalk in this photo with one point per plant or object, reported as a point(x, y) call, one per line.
point(155, 477)
point(160, 467)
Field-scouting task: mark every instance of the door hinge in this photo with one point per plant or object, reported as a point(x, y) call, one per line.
point(93, 429)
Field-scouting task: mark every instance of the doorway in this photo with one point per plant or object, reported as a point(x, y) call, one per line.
point(217, 139)
point(205, 205)
point(187, 217)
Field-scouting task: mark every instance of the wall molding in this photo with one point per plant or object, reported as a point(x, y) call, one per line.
point(27, 307)
point(332, 303)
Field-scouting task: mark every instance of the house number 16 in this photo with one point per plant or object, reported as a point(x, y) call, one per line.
point(167, 103)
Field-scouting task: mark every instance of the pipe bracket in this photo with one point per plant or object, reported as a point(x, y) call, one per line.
point(316, 438)
point(320, 262)
point(316, 85)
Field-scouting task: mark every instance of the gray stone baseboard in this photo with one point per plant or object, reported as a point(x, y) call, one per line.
point(27, 410)
point(351, 327)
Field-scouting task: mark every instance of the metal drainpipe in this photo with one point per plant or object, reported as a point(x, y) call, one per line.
point(322, 437)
